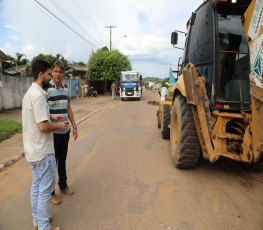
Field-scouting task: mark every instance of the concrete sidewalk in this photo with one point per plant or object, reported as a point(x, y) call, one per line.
point(11, 149)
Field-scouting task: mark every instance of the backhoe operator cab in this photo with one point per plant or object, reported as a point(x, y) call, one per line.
point(217, 46)
point(211, 109)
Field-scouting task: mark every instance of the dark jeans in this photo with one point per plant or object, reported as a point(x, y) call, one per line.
point(61, 150)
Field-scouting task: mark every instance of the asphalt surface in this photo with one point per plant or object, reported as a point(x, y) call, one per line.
point(123, 177)
point(11, 150)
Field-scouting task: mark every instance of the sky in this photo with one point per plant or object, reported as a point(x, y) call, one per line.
point(75, 28)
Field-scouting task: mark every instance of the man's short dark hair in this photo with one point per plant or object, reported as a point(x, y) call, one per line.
point(38, 66)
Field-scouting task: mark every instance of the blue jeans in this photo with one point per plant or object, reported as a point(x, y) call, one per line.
point(43, 183)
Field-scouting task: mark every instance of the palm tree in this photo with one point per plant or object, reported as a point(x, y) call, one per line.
point(14, 65)
point(21, 59)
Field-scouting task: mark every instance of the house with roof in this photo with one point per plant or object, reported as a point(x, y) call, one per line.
point(3, 57)
point(77, 71)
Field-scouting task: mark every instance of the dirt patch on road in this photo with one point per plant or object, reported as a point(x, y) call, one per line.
point(153, 102)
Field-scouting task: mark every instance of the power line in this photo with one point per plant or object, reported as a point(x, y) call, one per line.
point(59, 7)
point(83, 12)
point(66, 25)
point(80, 9)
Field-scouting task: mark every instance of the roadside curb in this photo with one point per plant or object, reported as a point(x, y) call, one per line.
point(11, 161)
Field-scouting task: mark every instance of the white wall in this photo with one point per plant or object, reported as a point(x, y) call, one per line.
point(12, 90)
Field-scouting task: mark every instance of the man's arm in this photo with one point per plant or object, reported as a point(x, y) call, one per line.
point(72, 121)
point(43, 123)
point(46, 126)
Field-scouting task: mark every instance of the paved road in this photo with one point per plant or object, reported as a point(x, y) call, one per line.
point(11, 150)
point(124, 178)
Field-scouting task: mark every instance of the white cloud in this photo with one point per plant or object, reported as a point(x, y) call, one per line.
point(147, 24)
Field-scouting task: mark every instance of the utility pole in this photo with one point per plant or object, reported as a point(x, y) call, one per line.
point(110, 27)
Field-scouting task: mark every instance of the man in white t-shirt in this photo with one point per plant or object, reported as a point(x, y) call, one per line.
point(38, 144)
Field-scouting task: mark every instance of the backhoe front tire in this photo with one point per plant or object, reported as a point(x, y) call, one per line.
point(185, 147)
point(165, 122)
point(159, 118)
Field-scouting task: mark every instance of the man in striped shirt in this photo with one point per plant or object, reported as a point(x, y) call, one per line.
point(58, 101)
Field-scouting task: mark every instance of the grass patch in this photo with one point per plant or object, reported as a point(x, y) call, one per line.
point(8, 128)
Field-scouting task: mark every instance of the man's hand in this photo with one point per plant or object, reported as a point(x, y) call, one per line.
point(58, 117)
point(62, 125)
point(75, 133)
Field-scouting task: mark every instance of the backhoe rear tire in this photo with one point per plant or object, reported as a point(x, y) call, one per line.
point(166, 119)
point(185, 146)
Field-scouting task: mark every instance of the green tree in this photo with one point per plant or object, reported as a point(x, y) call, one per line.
point(81, 63)
point(21, 59)
point(8, 63)
point(52, 59)
point(47, 57)
point(13, 63)
point(105, 65)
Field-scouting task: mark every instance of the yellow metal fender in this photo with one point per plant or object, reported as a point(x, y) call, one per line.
point(179, 87)
point(190, 90)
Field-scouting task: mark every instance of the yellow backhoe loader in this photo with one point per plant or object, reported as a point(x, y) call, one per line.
point(217, 106)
